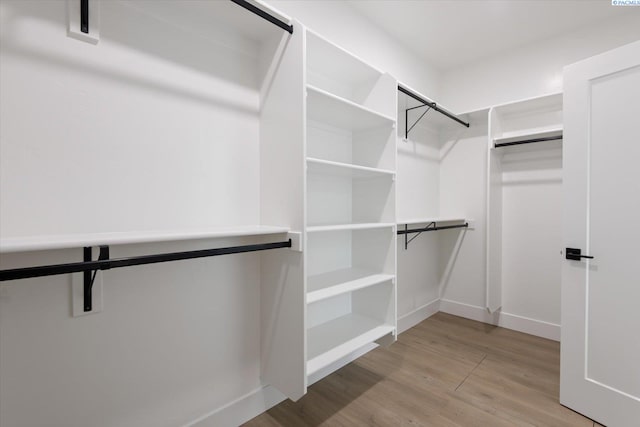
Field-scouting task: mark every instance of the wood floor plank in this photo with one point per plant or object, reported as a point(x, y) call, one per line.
point(518, 403)
point(445, 372)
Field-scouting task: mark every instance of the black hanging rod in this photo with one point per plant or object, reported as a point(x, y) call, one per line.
point(261, 13)
point(432, 105)
point(431, 227)
point(106, 264)
point(528, 141)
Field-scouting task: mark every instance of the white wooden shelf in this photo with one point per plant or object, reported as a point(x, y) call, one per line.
point(338, 338)
point(345, 169)
point(340, 227)
point(528, 134)
point(333, 110)
point(36, 243)
point(429, 220)
point(327, 285)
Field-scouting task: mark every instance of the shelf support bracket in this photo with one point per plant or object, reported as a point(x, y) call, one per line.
point(407, 129)
point(90, 276)
point(84, 16)
point(427, 228)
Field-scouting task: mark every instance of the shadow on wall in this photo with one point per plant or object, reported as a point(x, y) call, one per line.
point(450, 244)
point(131, 29)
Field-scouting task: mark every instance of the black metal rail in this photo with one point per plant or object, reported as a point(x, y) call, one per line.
point(264, 15)
point(528, 141)
point(84, 16)
point(107, 264)
point(432, 105)
point(431, 227)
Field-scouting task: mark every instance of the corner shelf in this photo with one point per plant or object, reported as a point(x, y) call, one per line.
point(345, 169)
point(333, 340)
point(327, 285)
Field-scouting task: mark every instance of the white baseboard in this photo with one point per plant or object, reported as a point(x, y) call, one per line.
point(535, 327)
point(242, 409)
point(411, 319)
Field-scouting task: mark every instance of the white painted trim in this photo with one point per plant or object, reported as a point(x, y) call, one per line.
point(527, 325)
point(530, 326)
point(241, 410)
point(416, 316)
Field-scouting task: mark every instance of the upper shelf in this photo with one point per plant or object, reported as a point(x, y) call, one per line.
point(333, 110)
point(333, 69)
point(528, 134)
point(36, 243)
point(541, 137)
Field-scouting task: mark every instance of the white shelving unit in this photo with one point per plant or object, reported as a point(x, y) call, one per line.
point(350, 259)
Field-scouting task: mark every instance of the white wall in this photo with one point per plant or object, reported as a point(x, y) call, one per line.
point(107, 137)
point(534, 69)
point(155, 127)
point(532, 234)
point(463, 192)
point(342, 24)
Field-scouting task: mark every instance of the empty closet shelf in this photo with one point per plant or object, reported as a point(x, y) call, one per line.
point(338, 338)
point(527, 137)
point(340, 227)
point(333, 110)
point(327, 285)
point(67, 241)
point(345, 169)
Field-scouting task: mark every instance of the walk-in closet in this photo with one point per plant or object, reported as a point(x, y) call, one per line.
point(319, 213)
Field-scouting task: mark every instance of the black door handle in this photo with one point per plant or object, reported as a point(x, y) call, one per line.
point(575, 254)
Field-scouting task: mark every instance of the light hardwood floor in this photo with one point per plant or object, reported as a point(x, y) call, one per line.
point(446, 371)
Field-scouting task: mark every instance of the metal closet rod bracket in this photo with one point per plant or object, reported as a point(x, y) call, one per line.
point(430, 105)
point(89, 278)
point(433, 226)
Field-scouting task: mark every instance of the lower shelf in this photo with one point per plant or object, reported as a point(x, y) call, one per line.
point(327, 285)
point(329, 342)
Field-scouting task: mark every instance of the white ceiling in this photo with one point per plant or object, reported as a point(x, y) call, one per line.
point(448, 33)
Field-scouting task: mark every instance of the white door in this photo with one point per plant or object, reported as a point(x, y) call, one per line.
point(600, 346)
